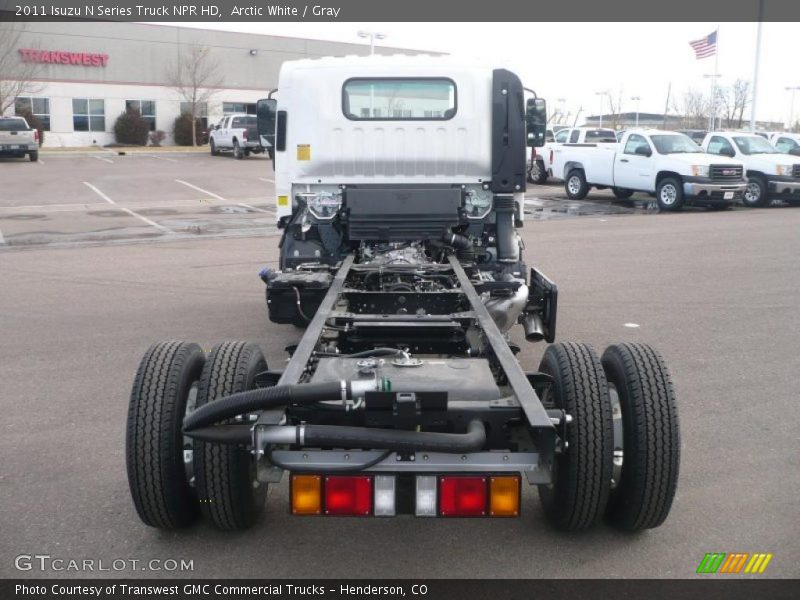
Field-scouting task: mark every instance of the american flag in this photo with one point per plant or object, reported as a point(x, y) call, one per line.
point(706, 46)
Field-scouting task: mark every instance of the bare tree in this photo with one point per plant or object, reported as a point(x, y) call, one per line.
point(17, 76)
point(615, 109)
point(734, 101)
point(196, 77)
point(694, 108)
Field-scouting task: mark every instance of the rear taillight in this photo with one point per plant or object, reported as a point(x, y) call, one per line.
point(244, 135)
point(504, 493)
point(348, 495)
point(306, 491)
point(462, 496)
point(36, 135)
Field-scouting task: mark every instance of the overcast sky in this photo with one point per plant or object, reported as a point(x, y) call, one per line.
point(575, 60)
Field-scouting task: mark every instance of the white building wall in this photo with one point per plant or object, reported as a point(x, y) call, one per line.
point(62, 133)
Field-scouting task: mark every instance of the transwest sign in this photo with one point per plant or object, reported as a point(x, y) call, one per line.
point(60, 57)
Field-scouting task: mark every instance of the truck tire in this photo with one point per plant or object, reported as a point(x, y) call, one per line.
point(537, 173)
point(622, 193)
point(582, 472)
point(225, 474)
point(643, 495)
point(669, 194)
point(34, 156)
point(756, 194)
point(575, 185)
point(237, 150)
point(154, 439)
point(213, 147)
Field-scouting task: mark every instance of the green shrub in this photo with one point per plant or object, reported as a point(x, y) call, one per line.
point(131, 128)
point(183, 130)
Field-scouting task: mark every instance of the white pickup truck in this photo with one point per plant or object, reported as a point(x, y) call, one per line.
point(540, 164)
point(788, 143)
point(770, 173)
point(237, 133)
point(17, 138)
point(667, 164)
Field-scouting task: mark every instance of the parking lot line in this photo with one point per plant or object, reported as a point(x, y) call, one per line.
point(199, 189)
point(267, 179)
point(127, 210)
point(254, 208)
point(40, 161)
point(2, 239)
point(161, 157)
point(104, 159)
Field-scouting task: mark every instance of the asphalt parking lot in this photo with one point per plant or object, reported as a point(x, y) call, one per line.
point(715, 292)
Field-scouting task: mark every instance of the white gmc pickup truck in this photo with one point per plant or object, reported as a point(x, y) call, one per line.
point(17, 138)
point(540, 163)
point(771, 174)
point(667, 164)
point(788, 143)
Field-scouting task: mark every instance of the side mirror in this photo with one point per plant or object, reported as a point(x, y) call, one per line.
point(535, 122)
point(266, 111)
point(643, 151)
point(728, 152)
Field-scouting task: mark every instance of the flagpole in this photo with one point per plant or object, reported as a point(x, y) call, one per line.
point(755, 73)
point(714, 83)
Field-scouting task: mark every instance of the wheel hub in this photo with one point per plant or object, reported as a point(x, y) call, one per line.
point(619, 454)
point(574, 185)
point(668, 194)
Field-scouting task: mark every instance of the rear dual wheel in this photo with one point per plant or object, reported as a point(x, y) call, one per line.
point(622, 444)
point(172, 479)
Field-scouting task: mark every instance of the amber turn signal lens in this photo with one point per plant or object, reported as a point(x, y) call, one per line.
point(306, 495)
point(504, 496)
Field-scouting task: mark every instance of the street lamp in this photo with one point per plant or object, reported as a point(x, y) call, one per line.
point(713, 117)
point(601, 94)
point(636, 99)
point(562, 108)
point(792, 89)
point(372, 35)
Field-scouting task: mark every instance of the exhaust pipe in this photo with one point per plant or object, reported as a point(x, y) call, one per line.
point(533, 326)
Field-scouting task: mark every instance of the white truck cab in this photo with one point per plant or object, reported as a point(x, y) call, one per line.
point(540, 166)
point(392, 148)
point(788, 143)
point(664, 163)
point(770, 173)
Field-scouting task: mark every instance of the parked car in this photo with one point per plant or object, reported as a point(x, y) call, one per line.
point(667, 164)
point(788, 143)
point(770, 173)
point(237, 133)
point(540, 164)
point(17, 138)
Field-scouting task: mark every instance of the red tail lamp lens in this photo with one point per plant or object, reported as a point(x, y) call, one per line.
point(462, 496)
point(348, 495)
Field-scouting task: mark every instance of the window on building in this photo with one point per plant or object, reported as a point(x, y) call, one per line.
point(229, 108)
point(39, 107)
point(88, 114)
point(202, 112)
point(146, 108)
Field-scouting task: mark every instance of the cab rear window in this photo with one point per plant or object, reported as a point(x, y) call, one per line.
point(394, 99)
point(13, 125)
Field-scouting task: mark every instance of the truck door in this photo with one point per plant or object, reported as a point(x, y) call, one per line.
point(633, 167)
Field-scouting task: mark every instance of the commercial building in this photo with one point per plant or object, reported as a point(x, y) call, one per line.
point(88, 73)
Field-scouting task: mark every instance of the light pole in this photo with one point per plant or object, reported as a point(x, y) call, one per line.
point(792, 89)
point(713, 116)
point(372, 35)
point(562, 108)
point(636, 99)
point(601, 94)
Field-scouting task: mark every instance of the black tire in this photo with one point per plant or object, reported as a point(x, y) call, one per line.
point(537, 173)
point(237, 150)
point(622, 193)
point(225, 473)
point(213, 147)
point(34, 156)
point(756, 194)
point(651, 437)
point(669, 194)
point(582, 473)
point(575, 185)
point(154, 440)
